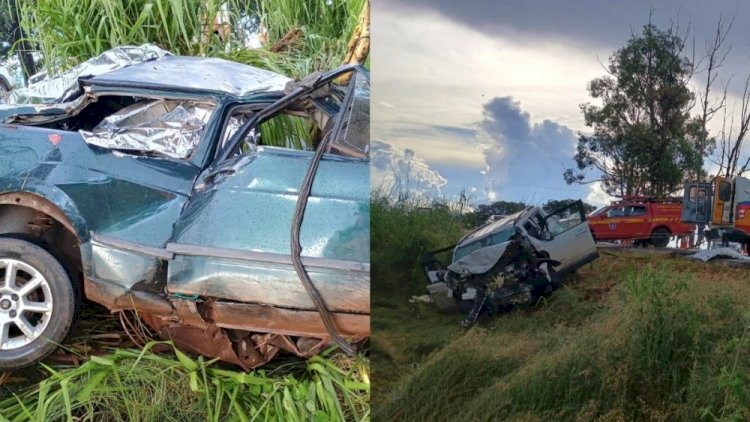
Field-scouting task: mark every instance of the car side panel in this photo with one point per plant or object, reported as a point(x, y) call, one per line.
point(233, 240)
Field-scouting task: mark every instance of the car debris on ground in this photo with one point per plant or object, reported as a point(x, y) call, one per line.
point(722, 253)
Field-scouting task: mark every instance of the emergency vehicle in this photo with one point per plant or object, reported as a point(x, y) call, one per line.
point(645, 220)
point(723, 205)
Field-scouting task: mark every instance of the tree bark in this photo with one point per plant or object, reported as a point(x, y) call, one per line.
point(359, 44)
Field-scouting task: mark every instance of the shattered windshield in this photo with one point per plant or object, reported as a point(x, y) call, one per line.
point(493, 239)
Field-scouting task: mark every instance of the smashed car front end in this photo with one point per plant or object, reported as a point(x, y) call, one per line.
point(493, 269)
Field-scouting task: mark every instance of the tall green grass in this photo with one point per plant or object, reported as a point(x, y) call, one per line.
point(626, 338)
point(70, 31)
point(131, 385)
point(404, 230)
point(303, 36)
point(307, 36)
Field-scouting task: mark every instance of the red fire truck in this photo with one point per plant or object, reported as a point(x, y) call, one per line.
point(645, 220)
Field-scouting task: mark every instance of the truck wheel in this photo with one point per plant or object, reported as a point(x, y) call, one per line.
point(36, 303)
point(660, 238)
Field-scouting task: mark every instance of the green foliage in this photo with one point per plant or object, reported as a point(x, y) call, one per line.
point(403, 232)
point(6, 22)
point(287, 131)
point(70, 31)
point(131, 385)
point(303, 37)
point(556, 204)
point(482, 212)
point(643, 141)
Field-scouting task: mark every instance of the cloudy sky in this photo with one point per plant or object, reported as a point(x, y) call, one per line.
point(484, 95)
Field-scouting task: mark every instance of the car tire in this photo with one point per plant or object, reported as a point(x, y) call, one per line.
point(660, 237)
point(43, 306)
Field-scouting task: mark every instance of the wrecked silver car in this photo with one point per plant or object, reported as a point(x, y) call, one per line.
point(511, 261)
point(180, 191)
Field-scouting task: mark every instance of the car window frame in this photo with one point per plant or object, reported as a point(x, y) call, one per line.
point(228, 151)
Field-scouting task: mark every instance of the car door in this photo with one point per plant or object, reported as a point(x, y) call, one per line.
point(636, 222)
point(697, 203)
point(232, 241)
point(566, 236)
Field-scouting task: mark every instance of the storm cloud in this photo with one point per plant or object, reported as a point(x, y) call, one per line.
point(586, 21)
point(524, 158)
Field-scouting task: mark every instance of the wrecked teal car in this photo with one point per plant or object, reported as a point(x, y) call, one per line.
point(228, 206)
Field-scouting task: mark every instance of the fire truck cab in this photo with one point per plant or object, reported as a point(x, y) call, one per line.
point(645, 220)
point(723, 206)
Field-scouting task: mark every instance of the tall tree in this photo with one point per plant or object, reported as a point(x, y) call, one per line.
point(641, 143)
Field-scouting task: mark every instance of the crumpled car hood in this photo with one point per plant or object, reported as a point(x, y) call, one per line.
point(479, 261)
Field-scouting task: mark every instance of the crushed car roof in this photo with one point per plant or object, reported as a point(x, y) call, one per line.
point(199, 73)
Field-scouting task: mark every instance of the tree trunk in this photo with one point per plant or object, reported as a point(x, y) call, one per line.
point(359, 44)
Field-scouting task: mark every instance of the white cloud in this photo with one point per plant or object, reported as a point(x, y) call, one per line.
point(395, 172)
point(597, 196)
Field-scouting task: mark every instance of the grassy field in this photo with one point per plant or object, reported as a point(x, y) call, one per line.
point(656, 338)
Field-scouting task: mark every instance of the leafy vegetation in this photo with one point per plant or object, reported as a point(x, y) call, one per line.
point(643, 141)
point(133, 385)
point(627, 338)
point(303, 37)
point(402, 232)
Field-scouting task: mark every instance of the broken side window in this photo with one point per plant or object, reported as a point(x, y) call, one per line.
point(564, 219)
point(171, 128)
point(532, 229)
point(280, 130)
